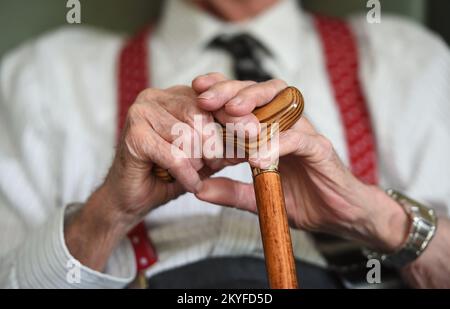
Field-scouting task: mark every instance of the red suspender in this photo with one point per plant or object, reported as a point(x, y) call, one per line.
point(133, 73)
point(342, 64)
point(133, 78)
point(341, 56)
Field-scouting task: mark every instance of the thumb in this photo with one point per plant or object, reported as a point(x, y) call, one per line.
point(228, 192)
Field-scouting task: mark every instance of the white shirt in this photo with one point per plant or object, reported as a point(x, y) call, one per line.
point(58, 111)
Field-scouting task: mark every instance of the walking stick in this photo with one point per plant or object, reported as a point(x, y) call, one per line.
point(284, 111)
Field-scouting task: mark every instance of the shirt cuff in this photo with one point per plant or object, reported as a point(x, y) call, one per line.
point(44, 261)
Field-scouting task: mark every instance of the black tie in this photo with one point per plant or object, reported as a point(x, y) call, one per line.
point(246, 52)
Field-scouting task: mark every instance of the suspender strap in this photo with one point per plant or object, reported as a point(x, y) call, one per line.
point(133, 78)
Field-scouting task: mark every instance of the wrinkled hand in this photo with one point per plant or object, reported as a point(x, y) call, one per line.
point(321, 193)
point(130, 189)
point(148, 139)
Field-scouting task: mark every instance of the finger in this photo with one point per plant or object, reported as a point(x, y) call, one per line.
point(178, 119)
point(304, 125)
point(212, 144)
point(247, 99)
point(174, 115)
point(227, 192)
point(202, 83)
point(181, 168)
point(168, 157)
point(216, 166)
point(185, 110)
point(314, 147)
point(181, 102)
point(160, 120)
point(302, 139)
point(266, 155)
point(220, 93)
point(172, 130)
point(163, 190)
point(181, 90)
point(248, 123)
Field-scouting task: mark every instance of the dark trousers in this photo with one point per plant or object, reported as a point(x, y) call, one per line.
point(237, 273)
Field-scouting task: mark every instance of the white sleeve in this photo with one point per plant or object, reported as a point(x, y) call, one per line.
point(33, 253)
point(406, 76)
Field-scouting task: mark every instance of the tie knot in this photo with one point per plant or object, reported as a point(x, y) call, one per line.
point(239, 45)
point(246, 52)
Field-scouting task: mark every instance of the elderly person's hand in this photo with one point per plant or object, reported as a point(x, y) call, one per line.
point(321, 193)
point(131, 190)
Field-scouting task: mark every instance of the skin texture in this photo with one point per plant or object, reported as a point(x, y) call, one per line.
point(130, 190)
point(431, 270)
point(332, 199)
point(321, 194)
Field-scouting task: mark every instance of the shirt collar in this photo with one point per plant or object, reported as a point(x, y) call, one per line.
point(186, 29)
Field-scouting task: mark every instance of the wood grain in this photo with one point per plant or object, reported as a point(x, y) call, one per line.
point(273, 222)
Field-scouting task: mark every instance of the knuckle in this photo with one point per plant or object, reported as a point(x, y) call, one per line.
point(208, 80)
point(325, 142)
point(230, 86)
point(275, 85)
point(191, 114)
point(279, 83)
point(197, 80)
point(179, 163)
point(326, 146)
point(148, 94)
point(250, 90)
point(249, 83)
point(225, 86)
point(135, 135)
point(180, 89)
point(135, 112)
point(136, 141)
point(216, 75)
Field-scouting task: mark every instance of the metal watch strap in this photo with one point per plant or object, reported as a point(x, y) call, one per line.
point(422, 229)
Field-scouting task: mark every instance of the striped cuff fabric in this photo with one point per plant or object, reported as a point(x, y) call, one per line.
point(44, 261)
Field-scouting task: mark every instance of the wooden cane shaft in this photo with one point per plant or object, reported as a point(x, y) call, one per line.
point(275, 232)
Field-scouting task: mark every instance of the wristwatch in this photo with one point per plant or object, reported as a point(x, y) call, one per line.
point(422, 229)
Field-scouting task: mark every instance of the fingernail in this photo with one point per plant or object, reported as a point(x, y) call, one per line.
point(208, 95)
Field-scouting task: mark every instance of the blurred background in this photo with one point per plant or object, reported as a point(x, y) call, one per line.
point(23, 19)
